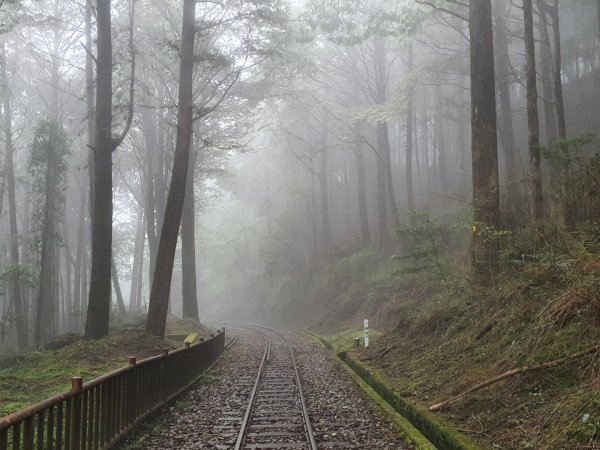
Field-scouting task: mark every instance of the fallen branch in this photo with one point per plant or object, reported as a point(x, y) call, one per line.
point(519, 371)
point(380, 354)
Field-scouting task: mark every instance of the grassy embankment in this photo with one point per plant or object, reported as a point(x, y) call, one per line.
point(446, 333)
point(29, 377)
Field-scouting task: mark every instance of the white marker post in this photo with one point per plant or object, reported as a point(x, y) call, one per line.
point(366, 333)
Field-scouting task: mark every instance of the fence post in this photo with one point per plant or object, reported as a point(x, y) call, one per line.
point(28, 433)
point(165, 353)
point(131, 401)
point(76, 386)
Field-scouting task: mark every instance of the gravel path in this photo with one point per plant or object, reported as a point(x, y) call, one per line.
point(208, 415)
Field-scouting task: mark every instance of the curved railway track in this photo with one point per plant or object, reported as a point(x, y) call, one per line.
point(276, 416)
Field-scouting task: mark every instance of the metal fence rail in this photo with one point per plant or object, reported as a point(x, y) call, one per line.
point(96, 414)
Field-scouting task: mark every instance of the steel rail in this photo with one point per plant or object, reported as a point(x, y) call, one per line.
point(309, 431)
point(242, 434)
point(309, 434)
point(231, 341)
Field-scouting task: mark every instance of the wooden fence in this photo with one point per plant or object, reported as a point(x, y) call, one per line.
point(94, 415)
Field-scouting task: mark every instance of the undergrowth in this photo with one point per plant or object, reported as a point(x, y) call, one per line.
point(446, 332)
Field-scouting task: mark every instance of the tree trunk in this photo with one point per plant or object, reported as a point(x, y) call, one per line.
point(188, 245)
point(533, 123)
point(79, 257)
point(138, 255)
point(150, 190)
point(440, 139)
point(84, 282)
point(57, 293)
point(383, 140)
point(328, 245)
point(161, 282)
point(98, 313)
point(483, 136)
point(47, 308)
point(313, 207)
point(68, 266)
point(383, 235)
point(507, 136)
point(383, 145)
point(361, 192)
point(569, 209)
point(117, 287)
point(547, 77)
point(89, 98)
point(598, 19)
point(16, 291)
point(425, 139)
point(140, 276)
point(410, 110)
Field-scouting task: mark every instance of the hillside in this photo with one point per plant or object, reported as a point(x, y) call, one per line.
point(444, 333)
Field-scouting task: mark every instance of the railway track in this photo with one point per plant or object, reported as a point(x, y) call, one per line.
point(257, 401)
point(276, 416)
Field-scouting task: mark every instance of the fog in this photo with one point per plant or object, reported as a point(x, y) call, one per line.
point(319, 129)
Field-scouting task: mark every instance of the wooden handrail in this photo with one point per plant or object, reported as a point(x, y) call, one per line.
point(96, 413)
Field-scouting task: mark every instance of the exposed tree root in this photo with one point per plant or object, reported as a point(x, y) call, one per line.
point(519, 371)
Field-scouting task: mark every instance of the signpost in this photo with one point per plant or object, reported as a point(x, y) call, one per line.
point(366, 333)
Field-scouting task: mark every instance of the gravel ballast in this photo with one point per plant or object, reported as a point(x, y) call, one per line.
point(208, 416)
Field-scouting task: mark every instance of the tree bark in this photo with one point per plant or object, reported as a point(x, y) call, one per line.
point(161, 282)
point(533, 123)
point(98, 313)
point(188, 245)
point(16, 291)
point(483, 136)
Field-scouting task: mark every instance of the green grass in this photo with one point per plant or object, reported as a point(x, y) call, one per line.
point(443, 436)
point(30, 377)
point(344, 339)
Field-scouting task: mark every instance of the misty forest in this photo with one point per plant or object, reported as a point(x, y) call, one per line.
point(170, 167)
